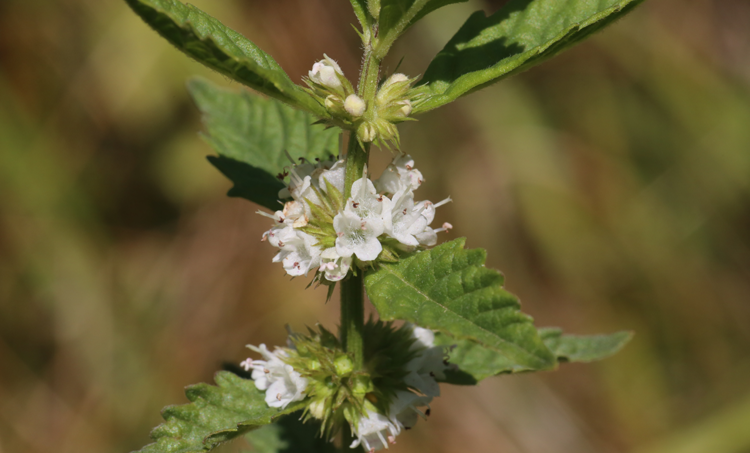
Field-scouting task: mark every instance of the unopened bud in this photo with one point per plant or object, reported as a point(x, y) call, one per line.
point(367, 132)
point(318, 409)
point(405, 109)
point(395, 78)
point(343, 365)
point(355, 105)
point(326, 72)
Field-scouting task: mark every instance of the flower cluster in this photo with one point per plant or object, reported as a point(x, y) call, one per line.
point(405, 365)
point(377, 430)
point(319, 229)
point(393, 102)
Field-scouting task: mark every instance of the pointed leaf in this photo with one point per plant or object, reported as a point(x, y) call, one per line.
point(448, 289)
point(583, 348)
point(520, 35)
point(251, 133)
point(216, 414)
point(290, 435)
point(222, 49)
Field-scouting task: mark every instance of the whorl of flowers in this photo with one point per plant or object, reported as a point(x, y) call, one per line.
point(320, 230)
point(376, 122)
point(402, 367)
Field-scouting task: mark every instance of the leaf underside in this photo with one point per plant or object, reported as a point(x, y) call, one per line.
point(251, 134)
point(520, 35)
point(222, 49)
point(398, 15)
point(583, 348)
point(476, 362)
point(449, 290)
point(216, 414)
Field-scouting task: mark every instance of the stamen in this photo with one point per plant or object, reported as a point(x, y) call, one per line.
point(447, 200)
point(382, 439)
point(265, 214)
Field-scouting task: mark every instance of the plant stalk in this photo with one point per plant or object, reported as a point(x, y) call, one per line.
point(357, 157)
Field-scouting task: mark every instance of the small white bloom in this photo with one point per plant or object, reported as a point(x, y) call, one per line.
point(428, 366)
point(365, 202)
point(400, 174)
point(325, 72)
point(299, 254)
point(375, 431)
point(404, 224)
point(281, 383)
point(334, 265)
point(403, 410)
point(354, 105)
point(357, 236)
point(335, 175)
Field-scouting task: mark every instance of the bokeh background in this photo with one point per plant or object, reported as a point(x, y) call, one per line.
point(611, 185)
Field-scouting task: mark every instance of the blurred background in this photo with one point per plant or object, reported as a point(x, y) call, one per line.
point(611, 185)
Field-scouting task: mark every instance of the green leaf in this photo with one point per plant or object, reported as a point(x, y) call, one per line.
point(290, 435)
point(251, 133)
point(398, 15)
point(520, 35)
point(449, 290)
point(216, 414)
point(583, 348)
point(360, 10)
point(476, 362)
point(222, 49)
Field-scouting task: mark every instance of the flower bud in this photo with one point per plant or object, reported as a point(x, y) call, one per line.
point(318, 409)
point(405, 109)
point(354, 105)
point(362, 384)
point(326, 72)
point(343, 365)
point(367, 132)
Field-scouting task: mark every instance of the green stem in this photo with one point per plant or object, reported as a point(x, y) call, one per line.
point(357, 157)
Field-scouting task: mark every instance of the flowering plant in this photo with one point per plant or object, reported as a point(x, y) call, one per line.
point(443, 316)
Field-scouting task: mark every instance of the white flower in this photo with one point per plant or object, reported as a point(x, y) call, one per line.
point(298, 254)
point(334, 265)
point(400, 174)
point(403, 410)
point(357, 236)
point(325, 72)
point(354, 105)
point(334, 175)
point(375, 431)
point(402, 222)
point(428, 366)
point(281, 383)
point(365, 202)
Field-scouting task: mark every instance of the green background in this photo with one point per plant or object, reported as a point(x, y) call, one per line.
point(611, 185)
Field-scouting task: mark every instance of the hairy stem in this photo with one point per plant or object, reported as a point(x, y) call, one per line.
point(357, 157)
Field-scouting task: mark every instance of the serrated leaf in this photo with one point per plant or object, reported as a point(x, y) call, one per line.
point(449, 290)
point(476, 362)
point(251, 133)
point(222, 49)
point(398, 15)
point(290, 435)
point(216, 414)
point(583, 348)
point(520, 35)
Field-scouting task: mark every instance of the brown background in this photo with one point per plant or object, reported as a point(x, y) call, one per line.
point(611, 186)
